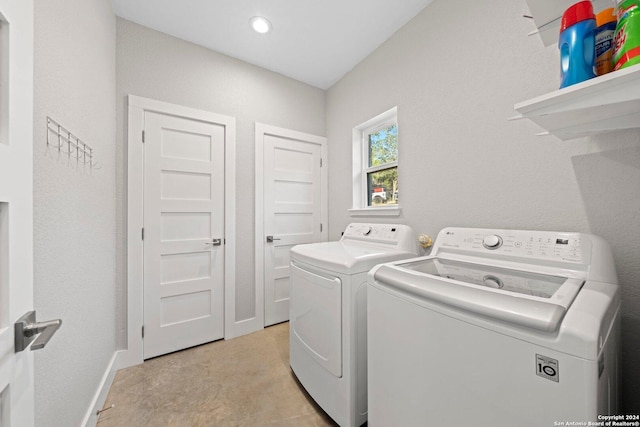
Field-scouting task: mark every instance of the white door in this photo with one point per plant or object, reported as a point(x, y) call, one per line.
point(293, 191)
point(16, 211)
point(183, 233)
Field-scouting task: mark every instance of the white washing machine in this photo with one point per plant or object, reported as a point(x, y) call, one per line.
point(495, 328)
point(328, 331)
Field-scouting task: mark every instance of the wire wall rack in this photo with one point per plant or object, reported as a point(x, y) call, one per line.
point(61, 139)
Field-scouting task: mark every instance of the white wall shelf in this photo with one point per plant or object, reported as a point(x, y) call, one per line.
point(602, 104)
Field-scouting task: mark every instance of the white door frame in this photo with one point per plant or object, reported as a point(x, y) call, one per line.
point(261, 130)
point(135, 167)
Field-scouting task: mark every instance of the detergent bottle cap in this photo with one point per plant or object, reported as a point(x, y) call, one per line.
point(580, 11)
point(606, 16)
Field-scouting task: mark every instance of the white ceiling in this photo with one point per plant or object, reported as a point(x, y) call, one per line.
point(316, 42)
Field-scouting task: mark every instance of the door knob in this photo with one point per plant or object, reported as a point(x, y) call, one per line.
point(214, 242)
point(26, 329)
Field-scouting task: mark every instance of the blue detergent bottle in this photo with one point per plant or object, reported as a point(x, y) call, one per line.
point(577, 44)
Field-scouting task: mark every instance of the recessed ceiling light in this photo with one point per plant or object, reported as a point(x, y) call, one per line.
point(260, 25)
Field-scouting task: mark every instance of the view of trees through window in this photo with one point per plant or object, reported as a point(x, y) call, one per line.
point(382, 174)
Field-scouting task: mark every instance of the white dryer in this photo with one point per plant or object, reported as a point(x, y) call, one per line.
point(328, 331)
point(495, 328)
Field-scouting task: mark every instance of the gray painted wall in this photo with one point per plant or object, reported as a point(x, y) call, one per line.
point(455, 73)
point(154, 65)
point(74, 210)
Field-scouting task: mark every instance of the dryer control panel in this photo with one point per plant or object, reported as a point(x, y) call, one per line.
point(543, 245)
point(399, 235)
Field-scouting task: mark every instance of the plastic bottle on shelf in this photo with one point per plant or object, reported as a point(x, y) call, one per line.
point(577, 44)
point(606, 27)
point(626, 41)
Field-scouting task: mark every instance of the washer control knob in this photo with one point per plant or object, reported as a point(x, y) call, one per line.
point(492, 241)
point(367, 231)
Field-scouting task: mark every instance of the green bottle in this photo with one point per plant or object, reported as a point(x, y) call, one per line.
point(626, 40)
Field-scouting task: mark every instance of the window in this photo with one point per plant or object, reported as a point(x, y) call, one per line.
point(382, 165)
point(375, 166)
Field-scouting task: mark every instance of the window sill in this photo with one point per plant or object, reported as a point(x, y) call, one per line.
point(383, 211)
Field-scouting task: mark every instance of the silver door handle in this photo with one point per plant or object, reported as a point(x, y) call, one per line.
point(214, 242)
point(26, 329)
point(270, 239)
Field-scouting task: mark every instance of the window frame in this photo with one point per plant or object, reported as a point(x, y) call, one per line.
point(361, 168)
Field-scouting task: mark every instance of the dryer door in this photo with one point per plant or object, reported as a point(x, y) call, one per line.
point(316, 316)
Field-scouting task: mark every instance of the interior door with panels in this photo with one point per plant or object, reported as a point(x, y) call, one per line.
point(183, 232)
point(293, 191)
point(17, 404)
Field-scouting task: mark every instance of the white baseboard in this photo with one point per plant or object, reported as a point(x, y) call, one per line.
point(91, 417)
point(128, 357)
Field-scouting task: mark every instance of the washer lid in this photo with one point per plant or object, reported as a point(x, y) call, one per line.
point(347, 257)
point(516, 281)
point(533, 300)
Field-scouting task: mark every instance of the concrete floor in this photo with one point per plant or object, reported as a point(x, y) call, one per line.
point(245, 381)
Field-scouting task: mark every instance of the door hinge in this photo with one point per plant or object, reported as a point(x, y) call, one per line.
point(321, 227)
point(143, 136)
point(320, 161)
point(142, 331)
point(142, 233)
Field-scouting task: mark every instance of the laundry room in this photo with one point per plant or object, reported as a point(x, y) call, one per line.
point(458, 80)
